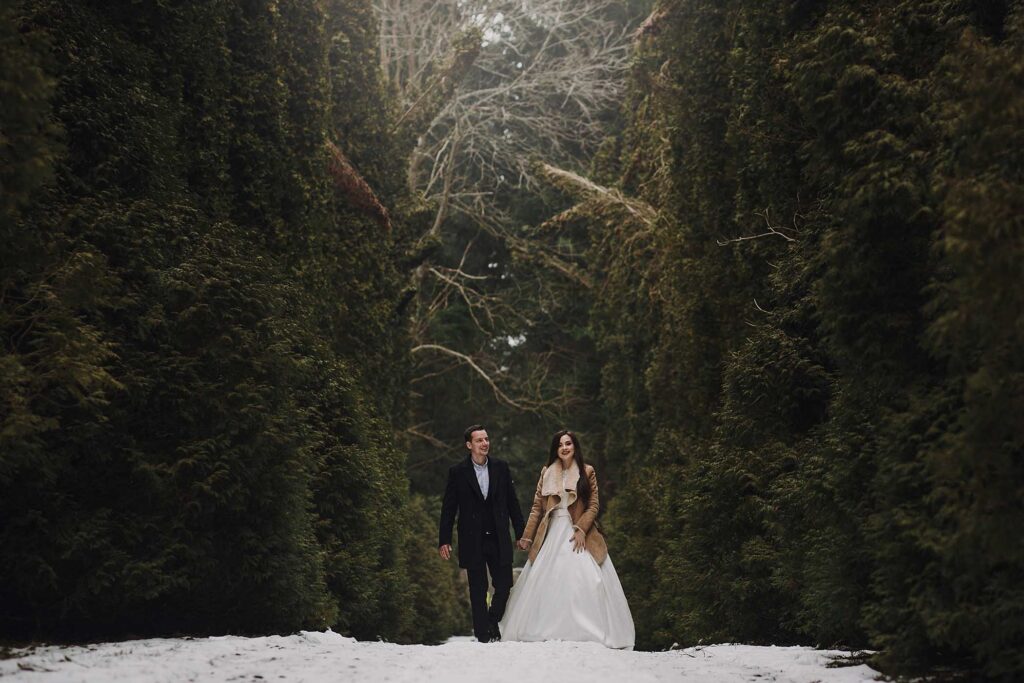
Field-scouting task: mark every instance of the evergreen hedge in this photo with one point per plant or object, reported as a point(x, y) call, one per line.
point(203, 361)
point(820, 426)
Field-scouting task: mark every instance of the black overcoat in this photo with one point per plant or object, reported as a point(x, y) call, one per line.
point(463, 498)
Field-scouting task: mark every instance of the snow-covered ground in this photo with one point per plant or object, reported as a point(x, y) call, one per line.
point(320, 657)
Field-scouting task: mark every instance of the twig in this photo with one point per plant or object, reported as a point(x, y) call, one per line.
point(772, 230)
point(498, 393)
point(429, 438)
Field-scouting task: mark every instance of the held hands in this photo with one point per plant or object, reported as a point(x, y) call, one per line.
point(579, 541)
point(445, 551)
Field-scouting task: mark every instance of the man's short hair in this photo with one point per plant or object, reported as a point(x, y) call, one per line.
point(468, 434)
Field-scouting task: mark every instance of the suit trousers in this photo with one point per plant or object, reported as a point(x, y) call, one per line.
point(501, 577)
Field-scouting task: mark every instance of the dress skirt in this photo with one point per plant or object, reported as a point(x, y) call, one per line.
point(566, 595)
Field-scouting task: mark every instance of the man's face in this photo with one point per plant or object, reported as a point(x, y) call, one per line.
point(479, 444)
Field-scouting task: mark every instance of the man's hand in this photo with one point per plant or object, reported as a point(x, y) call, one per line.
point(523, 543)
point(445, 551)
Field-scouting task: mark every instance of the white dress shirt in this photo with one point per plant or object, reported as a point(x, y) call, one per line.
point(482, 477)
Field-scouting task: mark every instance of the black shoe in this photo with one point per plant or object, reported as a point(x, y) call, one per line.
point(495, 632)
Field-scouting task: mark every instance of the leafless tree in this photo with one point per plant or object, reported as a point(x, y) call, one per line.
point(545, 75)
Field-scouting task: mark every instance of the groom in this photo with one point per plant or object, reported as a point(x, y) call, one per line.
point(480, 490)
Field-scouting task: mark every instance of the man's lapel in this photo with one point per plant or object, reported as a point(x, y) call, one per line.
point(492, 477)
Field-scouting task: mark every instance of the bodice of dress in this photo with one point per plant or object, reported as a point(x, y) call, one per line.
point(563, 503)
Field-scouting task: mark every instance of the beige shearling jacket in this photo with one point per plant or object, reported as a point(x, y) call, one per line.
point(548, 496)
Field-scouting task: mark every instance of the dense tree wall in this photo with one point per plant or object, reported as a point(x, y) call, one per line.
point(820, 421)
point(203, 359)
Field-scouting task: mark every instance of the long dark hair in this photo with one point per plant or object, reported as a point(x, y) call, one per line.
point(583, 486)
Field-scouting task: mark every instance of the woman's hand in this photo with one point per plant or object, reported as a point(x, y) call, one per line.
point(579, 541)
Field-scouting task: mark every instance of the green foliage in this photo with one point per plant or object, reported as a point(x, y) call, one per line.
point(439, 598)
point(202, 362)
point(818, 424)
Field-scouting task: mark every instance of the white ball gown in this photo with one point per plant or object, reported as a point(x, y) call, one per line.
point(566, 595)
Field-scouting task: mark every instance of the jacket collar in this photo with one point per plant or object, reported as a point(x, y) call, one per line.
point(553, 484)
point(468, 462)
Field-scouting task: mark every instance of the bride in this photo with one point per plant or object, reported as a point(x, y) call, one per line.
point(568, 589)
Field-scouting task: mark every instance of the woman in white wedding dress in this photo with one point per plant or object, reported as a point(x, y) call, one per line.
point(568, 589)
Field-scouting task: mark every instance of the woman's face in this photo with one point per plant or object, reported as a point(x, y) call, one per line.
point(565, 448)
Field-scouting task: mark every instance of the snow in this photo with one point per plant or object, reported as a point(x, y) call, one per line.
point(317, 657)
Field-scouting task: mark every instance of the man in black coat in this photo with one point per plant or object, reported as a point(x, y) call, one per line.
point(480, 490)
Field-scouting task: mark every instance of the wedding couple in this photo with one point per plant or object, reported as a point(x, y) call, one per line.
point(568, 589)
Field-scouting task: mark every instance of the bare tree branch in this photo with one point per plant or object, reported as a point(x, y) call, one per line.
point(528, 97)
point(586, 189)
point(533, 251)
point(429, 438)
point(652, 24)
point(437, 90)
point(352, 185)
point(772, 230)
point(498, 393)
